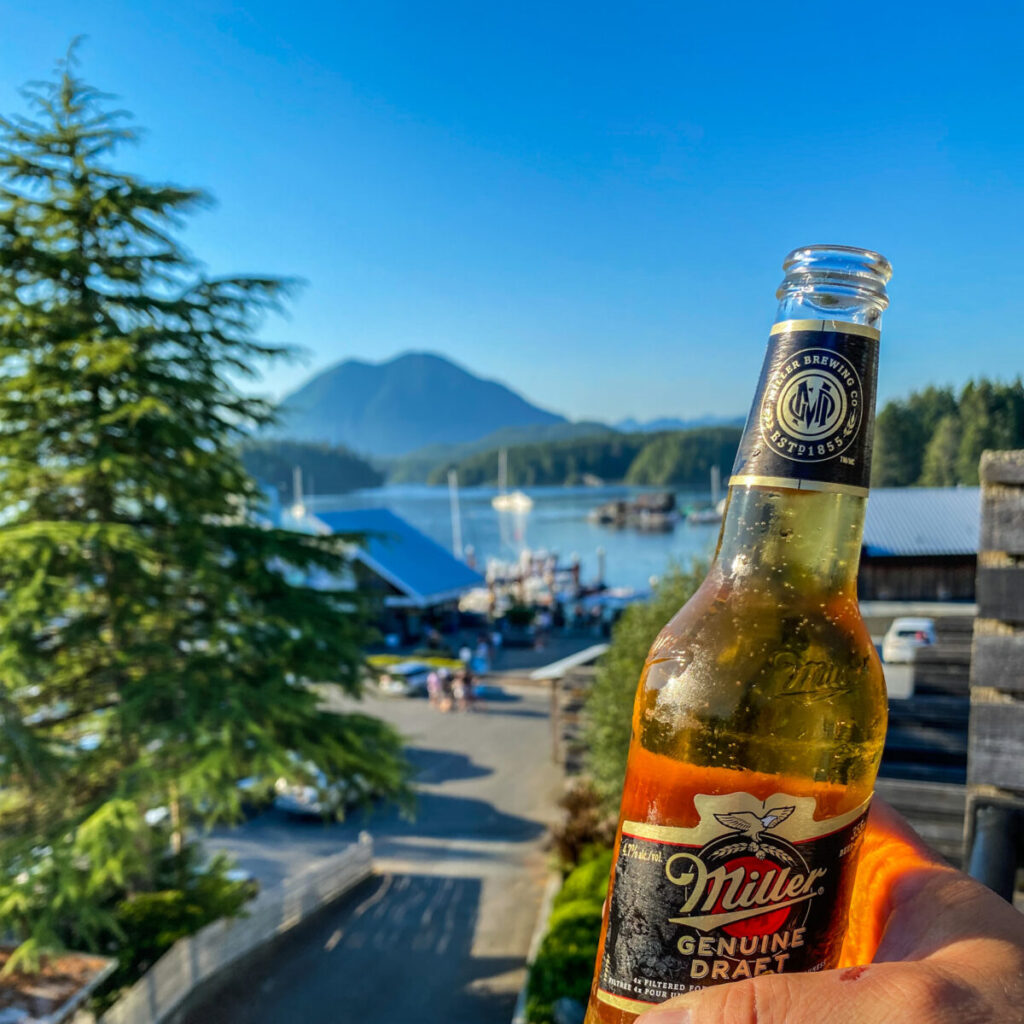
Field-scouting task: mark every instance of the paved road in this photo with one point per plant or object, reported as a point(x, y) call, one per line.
point(440, 935)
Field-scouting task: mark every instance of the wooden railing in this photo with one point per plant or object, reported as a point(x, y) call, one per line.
point(995, 753)
point(194, 960)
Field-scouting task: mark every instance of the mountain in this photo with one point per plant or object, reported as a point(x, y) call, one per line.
point(408, 402)
point(633, 426)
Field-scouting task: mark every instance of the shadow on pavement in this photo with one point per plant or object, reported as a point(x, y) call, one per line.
point(516, 712)
point(438, 815)
point(444, 765)
point(397, 950)
point(303, 841)
point(488, 693)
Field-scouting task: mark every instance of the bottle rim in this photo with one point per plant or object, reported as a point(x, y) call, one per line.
point(843, 269)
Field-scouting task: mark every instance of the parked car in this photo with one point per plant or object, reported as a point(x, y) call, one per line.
point(406, 679)
point(905, 637)
point(320, 800)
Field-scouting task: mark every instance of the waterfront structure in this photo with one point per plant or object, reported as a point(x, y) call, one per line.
point(920, 544)
point(417, 580)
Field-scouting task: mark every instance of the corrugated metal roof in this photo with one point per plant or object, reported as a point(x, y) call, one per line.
point(923, 521)
point(410, 560)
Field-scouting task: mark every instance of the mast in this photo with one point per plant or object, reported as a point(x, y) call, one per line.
point(298, 508)
point(453, 499)
point(502, 470)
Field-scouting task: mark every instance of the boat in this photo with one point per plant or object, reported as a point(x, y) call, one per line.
point(505, 500)
point(715, 512)
point(514, 501)
point(705, 515)
point(655, 512)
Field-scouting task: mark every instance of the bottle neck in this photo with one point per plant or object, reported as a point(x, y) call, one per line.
point(792, 544)
point(794, 519)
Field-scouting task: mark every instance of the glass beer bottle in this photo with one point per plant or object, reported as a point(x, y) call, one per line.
point(761, 711)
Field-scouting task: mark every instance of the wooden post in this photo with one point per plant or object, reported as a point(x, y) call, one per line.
point(995, 750)
point(556, 723)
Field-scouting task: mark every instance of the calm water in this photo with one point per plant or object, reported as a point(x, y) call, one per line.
point(557, 523)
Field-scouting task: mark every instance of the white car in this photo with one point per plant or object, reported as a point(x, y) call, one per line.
point(905, 637)
point(303, 800)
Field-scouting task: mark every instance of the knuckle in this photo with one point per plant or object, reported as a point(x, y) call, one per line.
point(762, 1000)
point(934, 996)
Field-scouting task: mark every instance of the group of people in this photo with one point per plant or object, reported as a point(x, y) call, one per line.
point(449, 690)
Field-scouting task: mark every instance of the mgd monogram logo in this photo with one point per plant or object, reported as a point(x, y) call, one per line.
point(811, 409)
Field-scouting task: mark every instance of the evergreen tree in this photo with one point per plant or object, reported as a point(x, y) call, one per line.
point(940, 456)
point(153, 650)
point(993, 417)
point(902, 431)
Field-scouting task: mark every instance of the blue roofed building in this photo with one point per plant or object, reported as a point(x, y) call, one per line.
point(920, 544)
point(416, 578)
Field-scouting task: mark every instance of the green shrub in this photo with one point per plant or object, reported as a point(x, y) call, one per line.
point(148, 923)
point(588, 825)
point(610, 703)
point(570, 913)
point(564, 965)
point(588, 882)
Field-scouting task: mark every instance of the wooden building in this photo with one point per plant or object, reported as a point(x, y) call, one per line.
point(920, 544)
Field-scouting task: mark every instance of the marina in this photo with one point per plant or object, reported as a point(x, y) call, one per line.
point(556, 524)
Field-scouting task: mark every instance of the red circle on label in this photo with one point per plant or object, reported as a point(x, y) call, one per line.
point(762, 924)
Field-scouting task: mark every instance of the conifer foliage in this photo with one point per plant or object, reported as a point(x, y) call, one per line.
point(154, 645)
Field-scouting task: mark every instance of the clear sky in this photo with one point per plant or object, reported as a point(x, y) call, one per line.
point(589, 201)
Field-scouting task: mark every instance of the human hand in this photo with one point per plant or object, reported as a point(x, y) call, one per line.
point(947, 950)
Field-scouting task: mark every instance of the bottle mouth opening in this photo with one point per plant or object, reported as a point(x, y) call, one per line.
point(841, 271)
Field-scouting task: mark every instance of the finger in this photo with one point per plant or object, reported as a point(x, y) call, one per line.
point(943, 914)
point(891, 852)
point(877, 994)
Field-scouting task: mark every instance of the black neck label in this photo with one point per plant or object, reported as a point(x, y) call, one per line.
point(812, 422)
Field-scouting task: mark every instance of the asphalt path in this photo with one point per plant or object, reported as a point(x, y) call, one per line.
point(441, 933)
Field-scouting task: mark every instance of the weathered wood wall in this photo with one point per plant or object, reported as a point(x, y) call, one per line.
point(995, 751)
point(923, 578)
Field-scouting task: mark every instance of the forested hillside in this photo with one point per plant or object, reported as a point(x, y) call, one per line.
point(417, 466)
point(935, 437)
point(677, 459)
point(326, 469)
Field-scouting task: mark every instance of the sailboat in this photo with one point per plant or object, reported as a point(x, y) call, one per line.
point(717, 510)
point(505, 500)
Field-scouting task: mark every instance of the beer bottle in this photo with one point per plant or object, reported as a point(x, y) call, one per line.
point(761, 711)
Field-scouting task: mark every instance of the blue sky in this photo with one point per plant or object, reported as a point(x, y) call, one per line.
point(590, 201)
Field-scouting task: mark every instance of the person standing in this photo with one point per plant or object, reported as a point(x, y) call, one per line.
point(434, 690)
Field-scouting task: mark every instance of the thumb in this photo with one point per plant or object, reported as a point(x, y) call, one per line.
point(873, 994)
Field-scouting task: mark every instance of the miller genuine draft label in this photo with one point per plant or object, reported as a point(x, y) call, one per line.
point(757, 887)
point(810, 425)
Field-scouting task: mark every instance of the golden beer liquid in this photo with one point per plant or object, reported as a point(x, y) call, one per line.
point(766, 681)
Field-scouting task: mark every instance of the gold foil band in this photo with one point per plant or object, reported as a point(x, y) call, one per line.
point(622, 1003)
point(841, 326)
point(792, 483)
point(797, 827)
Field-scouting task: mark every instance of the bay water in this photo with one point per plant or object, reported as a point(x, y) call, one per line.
point(557, 523)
